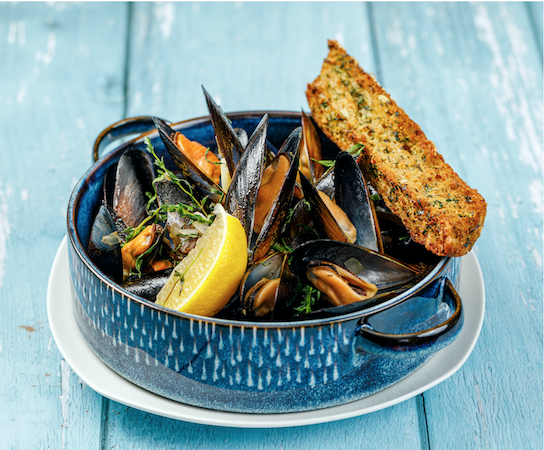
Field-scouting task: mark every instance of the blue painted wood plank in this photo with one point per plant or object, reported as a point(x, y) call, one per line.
point(395, 428)
point(61, 81)
point(262, 57)
point(536, 16)
point(471, 76)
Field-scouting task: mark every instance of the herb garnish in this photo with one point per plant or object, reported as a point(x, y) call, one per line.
point(311, 296)
point(216, 163)
point(195, 211)
point(181, 276)
point(355, 150)
point(283, 247)
point(190, 210)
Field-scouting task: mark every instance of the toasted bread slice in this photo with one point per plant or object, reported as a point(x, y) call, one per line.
point(438, 208)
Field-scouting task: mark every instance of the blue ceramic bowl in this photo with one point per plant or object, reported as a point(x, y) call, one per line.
point(249, 366)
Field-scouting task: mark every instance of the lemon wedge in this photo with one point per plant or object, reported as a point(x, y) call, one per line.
point(204, 281)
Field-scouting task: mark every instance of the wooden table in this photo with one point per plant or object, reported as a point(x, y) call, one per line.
point(469, 73)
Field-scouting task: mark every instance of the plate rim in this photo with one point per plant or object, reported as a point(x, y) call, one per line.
point(78, 355)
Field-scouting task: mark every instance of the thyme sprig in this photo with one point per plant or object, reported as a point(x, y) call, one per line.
point(310, 296)
point(138, 263)
point(216, 163)
point(181, 276)
point(355, 150)
point(189, 210)
point(282, 247)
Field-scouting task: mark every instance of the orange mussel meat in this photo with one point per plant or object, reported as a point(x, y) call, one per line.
point(205, 160)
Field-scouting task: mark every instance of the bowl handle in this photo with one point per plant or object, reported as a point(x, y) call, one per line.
point(121, 129)
point(420, 343)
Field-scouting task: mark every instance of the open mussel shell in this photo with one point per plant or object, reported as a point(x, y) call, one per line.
point(240, 199)
point(340, 286)
point(310, 152)
point(104, 249)
point(133, 180)
point(322, 216)
point(188, 168)
point(266, 286)
point(389, 275)
point(257, 275)
point(383, 271)
point(279, 209)
point(147, 286)
point(154, 248)
point(226, 136)
point(352, 196)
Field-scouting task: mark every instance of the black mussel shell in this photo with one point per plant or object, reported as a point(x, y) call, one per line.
point(189, 170)
point(149, 285)
point(240, 199)
point(273, 267)
point(170, 193)
point(242, 136)
point(226, 136)
point(279, 211)
point(108, 186)
point(325, 184)
point(322, 217)
point(311, 148)
point(106, 256)
point(269, 267)
point(351, 194)
point(383, 271)
point(133, 179)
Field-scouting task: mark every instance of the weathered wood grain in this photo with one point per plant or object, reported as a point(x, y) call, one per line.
point(471, 76)
point(536, 17)
point(61, 75)
point(262, 57)
point(395, 426)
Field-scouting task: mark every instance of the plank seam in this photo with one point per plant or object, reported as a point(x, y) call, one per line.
point(534, 29)
point(104, 422)
point(374, 41)
point(127, 59)
point(422, 422)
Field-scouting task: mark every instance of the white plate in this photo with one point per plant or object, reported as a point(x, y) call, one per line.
point(103, 380)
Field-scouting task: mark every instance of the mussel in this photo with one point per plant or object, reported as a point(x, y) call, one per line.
point(147, 286)
point(311, 153)
point(351, 190)
point(133, 179)
point(188, 167)
point(275, 197)
point(347, 273)
point(180, 236)
point(341, 286)
point(228, 139)
point(104, 247)
point(260, 288)
point(240, 198)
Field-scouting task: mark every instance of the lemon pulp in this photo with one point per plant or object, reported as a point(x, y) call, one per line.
point(204, 281)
